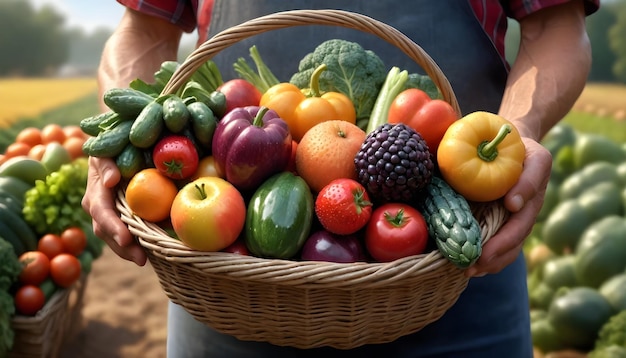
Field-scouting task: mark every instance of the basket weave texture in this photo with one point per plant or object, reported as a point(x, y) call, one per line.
point(307, 304)
point(43, 335)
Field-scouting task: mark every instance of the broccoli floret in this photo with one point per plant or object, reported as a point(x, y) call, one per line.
point(612, 333)
point(10, 268)
point(352, 70)
point(424, 83)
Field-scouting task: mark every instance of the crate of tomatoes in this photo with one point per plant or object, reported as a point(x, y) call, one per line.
point(47, 244)
point(269, 222)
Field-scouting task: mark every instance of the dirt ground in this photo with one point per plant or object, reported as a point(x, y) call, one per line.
point(124, 313)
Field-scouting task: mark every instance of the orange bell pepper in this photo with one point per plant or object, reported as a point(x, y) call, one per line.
point(302, 109)
point(481, 156)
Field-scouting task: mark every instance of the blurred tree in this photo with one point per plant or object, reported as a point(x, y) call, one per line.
point(598, 26)
point(32, 43)
point(617, 41)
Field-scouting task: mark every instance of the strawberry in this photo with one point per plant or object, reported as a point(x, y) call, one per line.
point(343, 206)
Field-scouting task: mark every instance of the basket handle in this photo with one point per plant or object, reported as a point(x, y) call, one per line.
point(292, 18)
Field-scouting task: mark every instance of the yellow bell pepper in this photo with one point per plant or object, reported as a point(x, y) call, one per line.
point(481, 156)
point(302, 109)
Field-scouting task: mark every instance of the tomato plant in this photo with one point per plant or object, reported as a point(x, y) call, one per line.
point(239, 93)
point(65, 269)
point(343, 206)
point(29, 299)
point(74, 240)
point(175, 156)
point(51, 245)
point(36, 267)
point(395, 230)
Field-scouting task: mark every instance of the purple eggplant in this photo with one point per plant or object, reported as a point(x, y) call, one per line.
point(326, 246)
point(249, 145)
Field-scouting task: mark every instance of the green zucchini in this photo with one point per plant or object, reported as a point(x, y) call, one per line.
point(451, 223)
point(130, 161)
point(203, 122)
point(279, 217)
point(109, 143)
point(148, 126)
point(175, 113)
point(126, 101)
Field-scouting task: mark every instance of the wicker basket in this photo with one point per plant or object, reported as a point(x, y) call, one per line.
point(307, 304)
point(43, 335)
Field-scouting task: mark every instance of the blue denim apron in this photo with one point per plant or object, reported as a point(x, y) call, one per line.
point(491, 318)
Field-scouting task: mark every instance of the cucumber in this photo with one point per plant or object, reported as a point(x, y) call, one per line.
point(279, 217)
point(203, 122)
point(175, 113)
point(25, 168)
point(148, 126)
point(48, 287)
point(111, 142)
point(18, 225)
point(217, 103)
point(127, 102)
point(451, 223)
point(130, 161)
point(91, 125)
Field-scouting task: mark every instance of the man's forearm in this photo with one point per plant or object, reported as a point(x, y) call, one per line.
point(550, 71)
point(136, 50)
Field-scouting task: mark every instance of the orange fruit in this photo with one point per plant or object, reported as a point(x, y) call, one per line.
point(326, 152)
point(150, 195)
point(29, 135)
point(52, 132)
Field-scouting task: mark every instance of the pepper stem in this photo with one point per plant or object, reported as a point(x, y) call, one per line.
point(314, 84)
point(258, 119)
point(488, 150)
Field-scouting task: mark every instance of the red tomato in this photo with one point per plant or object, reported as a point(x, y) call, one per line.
point(395, 230)
point(240, 93)
point(74, 240)
point(29, 299)
point(343, 206)
point(36, 269)
point(65, 269)
point(51, 245)
point(175, 156)
point(208, 214)
point(430, 118)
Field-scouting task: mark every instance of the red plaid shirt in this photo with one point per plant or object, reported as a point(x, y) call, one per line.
point(492, 14)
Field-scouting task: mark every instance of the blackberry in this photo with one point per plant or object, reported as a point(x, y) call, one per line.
point(394, 163)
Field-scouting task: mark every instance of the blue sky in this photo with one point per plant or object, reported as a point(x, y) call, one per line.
point(87, 14)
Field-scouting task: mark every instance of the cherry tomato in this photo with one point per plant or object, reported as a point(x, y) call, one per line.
point(74, 240)
point(36, 269)
point(65, 269)
point(51, 245)
point(395, 230)
point(29, 299)
point(175, 156)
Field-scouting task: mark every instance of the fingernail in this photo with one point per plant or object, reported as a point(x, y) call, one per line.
point(517, 203)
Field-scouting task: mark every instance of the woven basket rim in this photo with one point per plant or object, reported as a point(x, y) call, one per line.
point(316, 273)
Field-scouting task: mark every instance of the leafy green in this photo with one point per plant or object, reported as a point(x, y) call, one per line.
point(54, 204)
point(611, 342)
point(263, 78)
point(10, 268)
point(352, 70)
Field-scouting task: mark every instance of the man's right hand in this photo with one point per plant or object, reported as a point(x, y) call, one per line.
point(99, 202)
